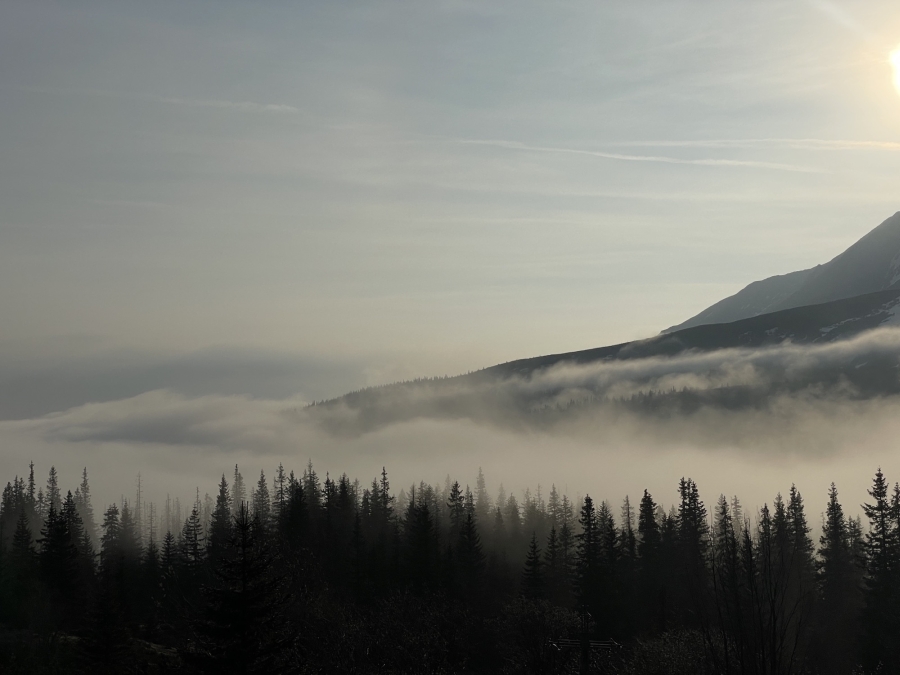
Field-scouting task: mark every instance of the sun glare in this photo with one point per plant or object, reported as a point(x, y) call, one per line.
point(895, 62)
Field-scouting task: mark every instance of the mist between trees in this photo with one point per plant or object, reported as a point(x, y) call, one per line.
point(297, 574)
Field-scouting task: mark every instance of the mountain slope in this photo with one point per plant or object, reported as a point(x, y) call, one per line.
point(811, 324)
point(532, 391)
point(871, 264)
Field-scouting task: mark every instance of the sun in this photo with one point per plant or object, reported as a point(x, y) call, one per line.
point(895, 62)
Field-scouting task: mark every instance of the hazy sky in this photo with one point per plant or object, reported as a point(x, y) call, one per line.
point(425, 187)
point(299, 198)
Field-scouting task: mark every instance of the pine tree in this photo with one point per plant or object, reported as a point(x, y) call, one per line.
point(470, 556)
point(238, 492)
point(243, 628)
point(836, 580)
point(22, 553)
point(649, 572)
point(727, 586)
point(553, 566)
point(30, 495)
point(261, 507)
point(193, 549)
point(295, 523)
point(482, 498)
point(220, 522)
point(802, 549)
point(533, 572)
point(53, 496)
point(628, 544)
point(880, 615)
point(589, 556)
point(498, 532)
point(419, 541)
point(40, 506)
point(513, 522)
point(129, 540)
point(169, 553)
point(79, 538)
point(138, 513)
point(110, 541)
point(58, 562)
point(22, 562)
point(384, 496)
point(693, 545)
point(456, 511)
point(86, 509)
point(553, 508)
point(311, 488)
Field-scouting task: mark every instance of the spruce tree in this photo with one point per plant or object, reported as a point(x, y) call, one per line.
point(193, 548)
point(53, 496)
point(168, 554)
point(243, 628)
point(553, 508)
point(649, 565)
point(533, 582)
point(295, 523)
point(279, 495)
point(482, 498)
point(880, 615)
point(22, 563)
point(692, 547)
point(238, 492)
point(261, 506)
point(312, 489)
point(512, 520)
point(589, 556)
point(470, 556)
point(456, 511)
point(556, 578)
point(727, 587)
point(58, 564)
point(110, 543)
point(220, 522)
point(86, 509)
point(419, 542)
point(839, 615)
point(30, 495)
point(385, 499)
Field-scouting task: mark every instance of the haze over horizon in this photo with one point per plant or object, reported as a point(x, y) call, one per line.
point(224, 211)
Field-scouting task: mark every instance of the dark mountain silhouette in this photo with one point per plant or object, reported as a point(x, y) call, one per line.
point(871, 264)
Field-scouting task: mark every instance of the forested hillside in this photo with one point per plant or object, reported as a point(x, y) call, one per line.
point(300, 575)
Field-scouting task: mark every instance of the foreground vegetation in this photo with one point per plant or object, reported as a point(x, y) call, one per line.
point(302, 576)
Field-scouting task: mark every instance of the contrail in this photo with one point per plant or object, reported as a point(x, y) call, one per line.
point(513, 145)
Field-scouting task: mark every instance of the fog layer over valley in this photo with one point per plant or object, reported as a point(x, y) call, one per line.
point(739, 421)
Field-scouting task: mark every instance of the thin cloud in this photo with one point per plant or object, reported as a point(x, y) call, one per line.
point(245, 106)
point(790, 143)
point(514, 145)
point(841, 17)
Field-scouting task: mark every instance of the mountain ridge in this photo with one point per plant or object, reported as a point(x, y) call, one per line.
point(871, 264)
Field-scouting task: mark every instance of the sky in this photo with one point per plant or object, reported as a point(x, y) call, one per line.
point(286, 201)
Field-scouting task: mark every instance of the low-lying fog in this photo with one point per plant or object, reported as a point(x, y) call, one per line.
point(810, 435)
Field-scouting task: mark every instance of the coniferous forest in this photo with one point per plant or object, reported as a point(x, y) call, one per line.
point(300, 575)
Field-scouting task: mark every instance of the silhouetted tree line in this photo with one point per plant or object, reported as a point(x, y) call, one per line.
point(307, 576)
